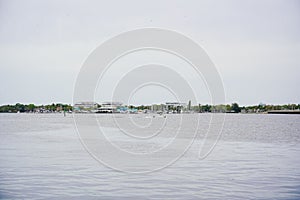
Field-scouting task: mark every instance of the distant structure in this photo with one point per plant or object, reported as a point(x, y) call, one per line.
point(85, 107)
point(110, 107)
point(118, 107)
point(284, 112)
point(175, 107)
point(189, 105)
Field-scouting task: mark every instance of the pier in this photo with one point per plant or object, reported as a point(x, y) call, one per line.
point(284, 112)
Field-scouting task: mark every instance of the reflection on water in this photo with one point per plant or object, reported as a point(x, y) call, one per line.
point(257, 158)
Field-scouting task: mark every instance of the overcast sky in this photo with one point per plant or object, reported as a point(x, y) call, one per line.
point(255, 45)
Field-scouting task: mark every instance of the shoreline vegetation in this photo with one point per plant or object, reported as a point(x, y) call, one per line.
point(168, 108)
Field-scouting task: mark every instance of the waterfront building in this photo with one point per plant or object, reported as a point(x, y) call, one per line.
point(85, 107)
point(175, 107)
point(111, 107)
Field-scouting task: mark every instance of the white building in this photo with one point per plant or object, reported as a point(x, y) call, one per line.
point(84, 107)
point(175, 107)
point(109, 107)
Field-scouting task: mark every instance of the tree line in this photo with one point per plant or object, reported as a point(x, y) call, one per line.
point(18, 107)
point(235, 108)
point(229, 108)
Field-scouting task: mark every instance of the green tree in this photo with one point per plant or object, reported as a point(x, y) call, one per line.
point(31, 107)
point(206, 108)
point(235, 108)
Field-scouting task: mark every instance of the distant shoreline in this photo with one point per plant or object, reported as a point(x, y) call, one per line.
point(164, 108)
point(284, 112)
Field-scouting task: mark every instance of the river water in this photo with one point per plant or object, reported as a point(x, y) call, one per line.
point(257, 157)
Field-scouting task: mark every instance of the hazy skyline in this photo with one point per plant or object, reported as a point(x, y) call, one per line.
point(255, 45)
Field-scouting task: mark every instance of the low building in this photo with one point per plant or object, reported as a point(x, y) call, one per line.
point(175, 107)
point(110, 107)
point(85, 107)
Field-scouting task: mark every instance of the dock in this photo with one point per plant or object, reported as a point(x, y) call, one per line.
point(284, 112)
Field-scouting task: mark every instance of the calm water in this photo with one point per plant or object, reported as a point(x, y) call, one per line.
point(257, 157)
